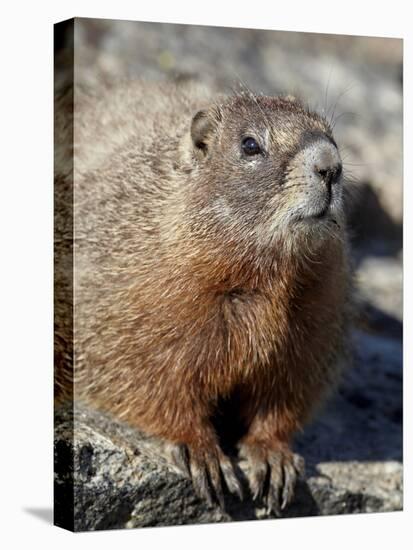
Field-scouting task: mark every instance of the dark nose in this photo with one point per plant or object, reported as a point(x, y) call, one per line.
point(327, 164)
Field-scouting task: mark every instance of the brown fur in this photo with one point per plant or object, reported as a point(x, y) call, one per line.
point(191, 282)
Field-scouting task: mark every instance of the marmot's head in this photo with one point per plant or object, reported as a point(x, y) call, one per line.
point(265, 171)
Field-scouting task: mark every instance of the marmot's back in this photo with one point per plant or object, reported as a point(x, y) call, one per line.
point(146, 114)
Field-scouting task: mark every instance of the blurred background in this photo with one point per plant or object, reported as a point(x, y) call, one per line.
point(355, 446)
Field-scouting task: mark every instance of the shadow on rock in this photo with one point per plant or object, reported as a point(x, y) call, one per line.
point(372, 229)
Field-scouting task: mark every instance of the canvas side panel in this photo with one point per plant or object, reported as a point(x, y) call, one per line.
point(63, 274)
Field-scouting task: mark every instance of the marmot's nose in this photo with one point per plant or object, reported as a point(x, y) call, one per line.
point(327, 164)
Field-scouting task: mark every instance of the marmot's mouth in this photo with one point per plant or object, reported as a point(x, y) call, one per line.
point(315, 214)
point(325, 215)
point(323, 211)
point(326, 206)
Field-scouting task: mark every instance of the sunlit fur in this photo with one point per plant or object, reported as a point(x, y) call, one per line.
point(194, 278)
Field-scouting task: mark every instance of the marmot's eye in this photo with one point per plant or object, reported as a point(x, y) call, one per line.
point(250, 146)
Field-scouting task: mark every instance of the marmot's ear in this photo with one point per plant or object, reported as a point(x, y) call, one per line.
point(203, 127)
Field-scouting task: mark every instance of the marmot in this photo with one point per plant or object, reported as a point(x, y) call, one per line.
point(210, 268)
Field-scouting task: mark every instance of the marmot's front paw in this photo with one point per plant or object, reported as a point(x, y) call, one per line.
point(272, 473)
point(206, 467)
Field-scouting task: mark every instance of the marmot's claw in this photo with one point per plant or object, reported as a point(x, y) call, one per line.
point(207, 469)
point(299, 465)
point(257, 479)
point(273, 474)
point(180, 458)
point(199, 475)
point(231, 480)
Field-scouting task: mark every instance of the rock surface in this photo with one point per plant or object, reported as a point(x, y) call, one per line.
point(108, 476)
